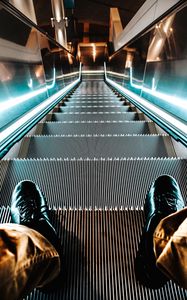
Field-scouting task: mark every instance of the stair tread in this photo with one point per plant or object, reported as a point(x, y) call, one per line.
point(96, 108)
point(93, 97)
point(95, 101)
point(87, 117)
point(97, 128)
point(115, 146)
point(92, 183)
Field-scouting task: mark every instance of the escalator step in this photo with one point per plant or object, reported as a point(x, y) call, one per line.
point(99, 248)
point(96, 100)
point(94, 108)
point(130, 116)
point(93, 92)
point(93, 102)
point(96, 147)
point(53, 128)
point(97, 88)
point(85, 183)
point(103, 96)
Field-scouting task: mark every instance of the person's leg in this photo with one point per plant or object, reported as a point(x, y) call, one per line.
point(27, 260)
point(29, 248)
point(163, 199)
point(170, 246)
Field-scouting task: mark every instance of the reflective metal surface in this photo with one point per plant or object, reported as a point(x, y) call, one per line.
point(32, 68)
point(155, 65)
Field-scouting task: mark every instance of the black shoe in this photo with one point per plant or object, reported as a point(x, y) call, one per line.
point(29, 208)
point(163, 199)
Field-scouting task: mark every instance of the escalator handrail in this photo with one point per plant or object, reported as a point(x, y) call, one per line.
point(152, 111)
point(16, 131)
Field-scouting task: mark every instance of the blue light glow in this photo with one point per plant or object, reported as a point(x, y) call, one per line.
point(30, 83)
point(51, 86)
point(8, 134)
point(153, 84)
point(35, 111)
point(150, 107)
point(20, 99)
point(5, 105)
point(166, 97)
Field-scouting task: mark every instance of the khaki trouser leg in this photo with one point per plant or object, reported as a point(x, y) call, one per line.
point(170, 246)
point(27, 260)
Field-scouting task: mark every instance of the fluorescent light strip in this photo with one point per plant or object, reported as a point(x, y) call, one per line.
point(67, 75)
point(117, 74)
point(5, 105)
point(152, 108)
point(30, 83)
point(33, 114)
point(167, 98)
point(124, 76)
point(93, 72)
point(54, 80)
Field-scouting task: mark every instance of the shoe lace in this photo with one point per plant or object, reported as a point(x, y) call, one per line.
point(27, 208)
point(166, 201)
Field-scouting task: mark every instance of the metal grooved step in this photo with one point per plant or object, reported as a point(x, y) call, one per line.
point(93, 99)
point(92, 102)
point(95, 128)
point(96, 108)
point(126, 146)
point(99, 183)
point(99, 248)
point(129, 116)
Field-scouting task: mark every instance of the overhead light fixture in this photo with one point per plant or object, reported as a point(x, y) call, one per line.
point(94, 52)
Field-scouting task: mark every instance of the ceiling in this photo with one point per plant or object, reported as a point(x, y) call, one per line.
point(93, 12)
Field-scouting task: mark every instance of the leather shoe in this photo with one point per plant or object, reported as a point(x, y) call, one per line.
point(163, 199)
point(29, 208)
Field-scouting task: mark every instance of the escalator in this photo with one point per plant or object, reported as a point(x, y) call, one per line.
point(94, 156)
point(94, 146)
